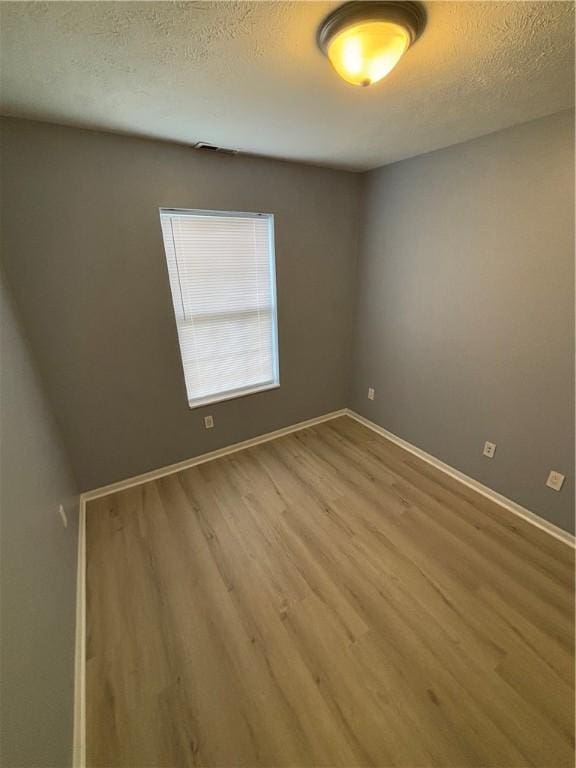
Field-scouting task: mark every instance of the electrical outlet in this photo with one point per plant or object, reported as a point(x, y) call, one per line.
point(555, 480)
point(62, 513)
point(370, 393)
point(208, 422)
point(489, 449)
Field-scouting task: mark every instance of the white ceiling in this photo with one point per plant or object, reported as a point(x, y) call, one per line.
point(248, 75)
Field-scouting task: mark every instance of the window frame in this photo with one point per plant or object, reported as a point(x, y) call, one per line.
point(249, 389)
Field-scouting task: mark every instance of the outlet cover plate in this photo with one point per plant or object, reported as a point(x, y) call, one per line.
point(489, 449)
point(555, 480)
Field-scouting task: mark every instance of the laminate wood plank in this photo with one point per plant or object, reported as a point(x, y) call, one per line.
point(324, 599)
point(554, 601)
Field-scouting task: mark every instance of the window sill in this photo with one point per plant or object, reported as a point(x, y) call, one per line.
point(234, 395)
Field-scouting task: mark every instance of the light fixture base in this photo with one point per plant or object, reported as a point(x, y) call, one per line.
point(410, 15)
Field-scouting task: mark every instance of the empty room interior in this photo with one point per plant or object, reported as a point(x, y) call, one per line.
point(287, 384)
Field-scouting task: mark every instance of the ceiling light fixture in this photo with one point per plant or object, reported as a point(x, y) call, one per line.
point(365, 40)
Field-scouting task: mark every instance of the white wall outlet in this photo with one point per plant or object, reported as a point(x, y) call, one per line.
point(555, 480)
point(370, 393)
point(489, 449)
point(208, 422)
point(63, 516)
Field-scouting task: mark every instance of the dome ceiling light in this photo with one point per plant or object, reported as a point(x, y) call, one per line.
point(365, 40)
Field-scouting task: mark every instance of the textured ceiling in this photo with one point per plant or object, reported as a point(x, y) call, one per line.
point(248, 75)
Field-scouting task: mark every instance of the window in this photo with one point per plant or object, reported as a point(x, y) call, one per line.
point(221, 270)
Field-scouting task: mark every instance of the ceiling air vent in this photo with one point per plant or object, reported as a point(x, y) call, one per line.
point(203, 146)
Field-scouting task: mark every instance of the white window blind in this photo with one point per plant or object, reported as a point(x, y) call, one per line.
point(221, 270)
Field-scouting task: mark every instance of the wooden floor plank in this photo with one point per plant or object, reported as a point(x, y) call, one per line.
point(324, 599)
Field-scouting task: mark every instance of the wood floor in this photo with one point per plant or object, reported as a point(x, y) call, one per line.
point(324, 599)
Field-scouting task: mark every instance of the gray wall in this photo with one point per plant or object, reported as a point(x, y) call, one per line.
point(465, 321)
point(464, 300)
point(38, 565)
point(83, 248)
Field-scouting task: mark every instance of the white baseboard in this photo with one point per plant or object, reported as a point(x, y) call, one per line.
point(503, 501)
point(204, 457)
point(79, 739)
